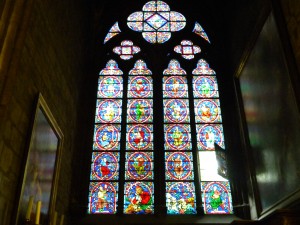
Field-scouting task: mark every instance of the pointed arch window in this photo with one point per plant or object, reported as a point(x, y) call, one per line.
point(125, 157)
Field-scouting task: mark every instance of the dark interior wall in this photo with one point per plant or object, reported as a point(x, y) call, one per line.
point(51, 61)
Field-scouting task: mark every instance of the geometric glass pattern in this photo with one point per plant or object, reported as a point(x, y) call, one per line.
point(215, 187)
point(103, 194)
point(179, 170)
point(156, 22)
point(200, 31)
point(126, 50)
point(187, 49)
point(139, 157)
point(114, 30)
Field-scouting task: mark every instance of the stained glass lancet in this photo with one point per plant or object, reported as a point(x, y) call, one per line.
point(180, 187)
point(156, 22)
point(103, 191)
point(139, 159)
point(113, 31)
point(216, 194)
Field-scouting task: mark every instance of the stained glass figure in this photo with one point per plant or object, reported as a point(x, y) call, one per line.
point(208, 135)
point(180, 198)
point(108, 111)
point(114, 30)
point(110, 87)
point(175, 87)
point(103, 197)
point(139, 165)
point(203, 68)
point(179, 166)
point(139, 198)
point(176, 111)
point(140, 87)
point(107, 137)
point(200, 31)
point(205, 87)
point(111, 69)
point(126, 50)
point(177, 137)
point(187, 49)
point(156, 22)
point(140, 68)
point(207, 111)
point(139, 111)
point(174, 68)
point(216, 197)
point(139, 137)
point(105, 166)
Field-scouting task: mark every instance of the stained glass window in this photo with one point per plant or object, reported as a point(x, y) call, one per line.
point(200, 31)
point(139, 159)
point(180, 187)
point(103, 194)
point(126, 50)
point(215, 188)
point(187, 49)
point(156, 21)
point(113, 31)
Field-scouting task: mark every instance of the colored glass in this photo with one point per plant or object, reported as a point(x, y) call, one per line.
point(174, 68)
point(111, 69)
point(139, 165)
point(140, 87)
point(139, 137)
point(205, 87)
point(156, 22)
point(176, 111)
point(200, 31)
point(177, 137)
point(110, 87)
point(203, 68)
point(187, 49)
point(108, 111)
point(107, 137)
point(126, 50)
point(139, 111)
point(113, 31)
point(208, 135)
point(175, 87)
point(207, 111)
point(179, 166)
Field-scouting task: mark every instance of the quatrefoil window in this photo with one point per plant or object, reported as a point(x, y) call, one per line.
point(187, 49)
point(156, 21)
point(126, 50)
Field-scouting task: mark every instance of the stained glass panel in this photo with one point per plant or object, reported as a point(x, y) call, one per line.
point(207, 111)
point(176, 111)
point(175, 87)
point(179, 166)
point(140, 68)
point(216, 197)
point(111, 68)
point(105, 166)
point(139, 198)
point(126, 50)
point(180, 198)
point(200, 31)
point(108, 111)
point(174, 68)
point(208, 135)
point(139, 137)
point(177, 137)
point(107, 137)
point(110, 87)
point(205, 87)
point(187, 49)
point(140, 87)
point(103, 197)
point(139, 111)
point(139, 165)
point(114, 30)
point(203, 68)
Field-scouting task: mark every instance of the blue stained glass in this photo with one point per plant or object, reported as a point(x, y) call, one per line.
point(179, 166)
point(207, 111)
point(176, 111)
point(105, 166)
point(180, 198)
point(140, 68)
point(177, 137)
point(103, 197)
point(107, 137)
point(139, 165)
point(108, 111)
point(111, 68)
point(174, 68)
point(139, 111)
point(110, 87)
point(140, 87)
point(139, 198)
point(205, 87)
point(208, 135)
point(175, 87)
point(203, 68)
point(139, 137)
point(216, 197)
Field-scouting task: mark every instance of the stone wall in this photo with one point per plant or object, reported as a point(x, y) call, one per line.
point(51, 62)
